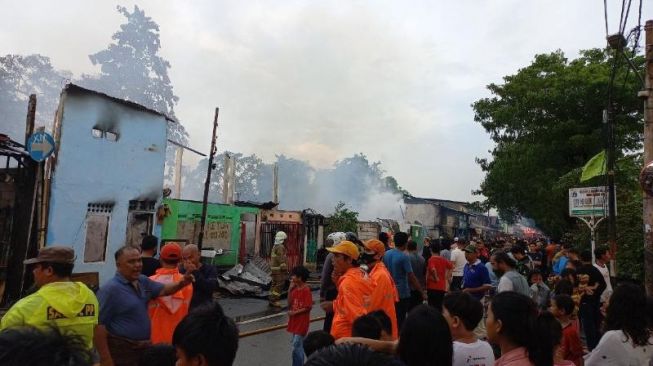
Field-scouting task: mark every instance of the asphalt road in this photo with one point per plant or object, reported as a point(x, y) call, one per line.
point(269, 348)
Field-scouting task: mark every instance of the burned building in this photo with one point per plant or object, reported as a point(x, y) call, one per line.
point(106, 179)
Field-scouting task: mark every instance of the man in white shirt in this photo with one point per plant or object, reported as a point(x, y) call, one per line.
point(602, 257)
point(458, 261)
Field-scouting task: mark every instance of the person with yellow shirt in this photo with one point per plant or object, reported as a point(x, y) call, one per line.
point(70, 306)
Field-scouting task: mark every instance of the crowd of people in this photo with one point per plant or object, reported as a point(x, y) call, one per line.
point(499, 303)
point(386, 303)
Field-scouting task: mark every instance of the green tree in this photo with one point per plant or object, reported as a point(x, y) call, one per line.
point(342, 219)
point(546, 121)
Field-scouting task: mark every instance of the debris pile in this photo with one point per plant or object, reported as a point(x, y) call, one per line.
point(252, 279)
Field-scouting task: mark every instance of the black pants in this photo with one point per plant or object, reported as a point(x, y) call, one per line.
point(415, 299)
point(435, 298)
point(456, 283)
point(329, 295)
point(589, 318)
point(401, 308)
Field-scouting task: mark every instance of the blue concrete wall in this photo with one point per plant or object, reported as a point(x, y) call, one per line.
point(92, 170)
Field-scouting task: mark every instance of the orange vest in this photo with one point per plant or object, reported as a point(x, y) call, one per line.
point(167, 311)
point(384, 295)
point(354, 293)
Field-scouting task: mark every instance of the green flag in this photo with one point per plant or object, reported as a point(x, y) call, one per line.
point(595, 166)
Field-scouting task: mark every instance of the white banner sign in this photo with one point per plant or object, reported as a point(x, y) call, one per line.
point(588, 202)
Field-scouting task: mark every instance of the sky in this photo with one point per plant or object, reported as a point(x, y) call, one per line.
point(320, 81)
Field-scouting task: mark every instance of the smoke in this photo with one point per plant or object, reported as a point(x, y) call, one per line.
point(383, 205)
point(361, 185)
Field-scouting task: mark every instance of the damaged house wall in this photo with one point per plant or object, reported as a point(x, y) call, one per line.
point(107, 178)
point(224, 224)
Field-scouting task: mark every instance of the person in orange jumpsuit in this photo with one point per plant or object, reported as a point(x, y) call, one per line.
point(385, 292)
point(354, 289)
point(167, 311)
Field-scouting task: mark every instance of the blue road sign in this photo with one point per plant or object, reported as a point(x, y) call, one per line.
point(40, 145)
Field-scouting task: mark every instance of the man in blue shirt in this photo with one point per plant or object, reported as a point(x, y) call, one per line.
point(398, 263)
point(124, 326)
point(476, 278)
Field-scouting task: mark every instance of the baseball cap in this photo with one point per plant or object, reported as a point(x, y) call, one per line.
point(171, 251)
point(470, 248)
point(347, 248)
point(375, 245)
point(54, 254)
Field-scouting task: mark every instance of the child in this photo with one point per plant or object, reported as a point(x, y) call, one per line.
point(550, 332)
point(540, 292)
point(367, 326)
point(386, 324)
point(316, 340)
point(463, 312)
point(571, 348)
point(300, 302)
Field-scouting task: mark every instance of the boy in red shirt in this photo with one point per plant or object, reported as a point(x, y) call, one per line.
point(300, 302)
point(571, 348)
point(437, 274)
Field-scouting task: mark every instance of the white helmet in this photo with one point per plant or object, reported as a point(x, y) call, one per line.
point(280, 237)
point(336, 237)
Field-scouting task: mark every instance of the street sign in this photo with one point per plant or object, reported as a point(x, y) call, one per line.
point(588, 202)
point(40, 146)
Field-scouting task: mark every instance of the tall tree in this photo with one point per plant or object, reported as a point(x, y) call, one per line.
point(131, 68)
point(21, 76)
point(546, 121)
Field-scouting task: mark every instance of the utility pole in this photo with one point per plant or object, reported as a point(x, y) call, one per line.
point(647, 96)
point(617, 43)
point(207, 183)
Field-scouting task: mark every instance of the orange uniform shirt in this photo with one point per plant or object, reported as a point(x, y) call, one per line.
point(354, 292)
point(384, 294)
point(167, 311)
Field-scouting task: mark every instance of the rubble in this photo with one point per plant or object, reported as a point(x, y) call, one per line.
point(249, 279)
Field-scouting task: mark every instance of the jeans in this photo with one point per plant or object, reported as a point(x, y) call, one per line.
point(297, 350)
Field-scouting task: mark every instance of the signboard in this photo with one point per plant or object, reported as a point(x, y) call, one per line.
point(588, 202)
point(40, 146)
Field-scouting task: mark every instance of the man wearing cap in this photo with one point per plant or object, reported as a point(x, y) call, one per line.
point(328, 289)
point(71, 306)
point(476, 278)
point(167, 311)
point(354, 289)
point(476, 282)
point(278, 267)
point(124, 328)
point(385, 292)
